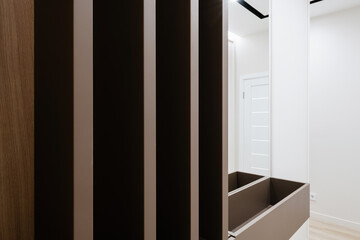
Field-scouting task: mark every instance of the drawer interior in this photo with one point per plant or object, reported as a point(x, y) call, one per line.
point(240, 179)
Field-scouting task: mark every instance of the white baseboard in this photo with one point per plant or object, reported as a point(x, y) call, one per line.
point(336, 221)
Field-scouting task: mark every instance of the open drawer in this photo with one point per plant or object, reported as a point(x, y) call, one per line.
point(268, 208)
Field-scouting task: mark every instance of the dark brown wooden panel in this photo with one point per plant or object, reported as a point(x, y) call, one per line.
point(16, 119)
point(118, 120)
point(211, 119)
point(54, 120)
point(173, 89)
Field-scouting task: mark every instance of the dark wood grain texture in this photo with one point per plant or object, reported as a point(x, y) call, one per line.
point(16, 119)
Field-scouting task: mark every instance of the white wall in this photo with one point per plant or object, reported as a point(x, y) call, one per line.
point(289, 76)
point(334, 90)
point(290, 89)
point(253, 52)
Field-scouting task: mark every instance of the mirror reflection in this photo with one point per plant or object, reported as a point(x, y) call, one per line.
point(249, 87)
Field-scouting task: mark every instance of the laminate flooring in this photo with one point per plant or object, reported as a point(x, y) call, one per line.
point(324, 231)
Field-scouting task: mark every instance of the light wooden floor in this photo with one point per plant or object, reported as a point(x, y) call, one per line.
point(323, 231)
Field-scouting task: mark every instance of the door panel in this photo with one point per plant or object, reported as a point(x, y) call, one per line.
point(256, 125)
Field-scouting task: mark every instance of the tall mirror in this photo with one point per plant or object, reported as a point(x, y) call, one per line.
point(249, 87)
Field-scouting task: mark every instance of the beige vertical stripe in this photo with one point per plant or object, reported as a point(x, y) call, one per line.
point(150, 119)
point(83, 119)
point(194, 115)
point(225, 120)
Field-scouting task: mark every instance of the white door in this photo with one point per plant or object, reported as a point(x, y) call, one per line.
point(256, 114)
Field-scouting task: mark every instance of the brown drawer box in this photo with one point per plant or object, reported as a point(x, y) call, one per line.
point(240, 179)
point(268, 208)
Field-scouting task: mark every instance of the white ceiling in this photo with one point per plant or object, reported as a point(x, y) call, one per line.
point(331, 6)
point(242, 22)
point(260, 5)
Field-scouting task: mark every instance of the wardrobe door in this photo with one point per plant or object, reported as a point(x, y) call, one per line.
point(213, 119)
point(17, 119)
point(177, 119)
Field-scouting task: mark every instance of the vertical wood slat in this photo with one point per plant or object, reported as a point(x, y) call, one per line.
point(213, 119)
point(54, 118)
point(173, 119)
point(16, 119)
point(149, 119)
point(177, 119)
point(118, 119)
point(83, 120)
